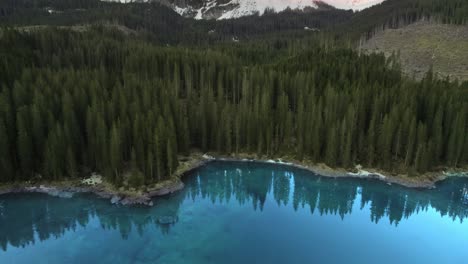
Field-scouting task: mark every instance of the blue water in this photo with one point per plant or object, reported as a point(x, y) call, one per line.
point(239, 213)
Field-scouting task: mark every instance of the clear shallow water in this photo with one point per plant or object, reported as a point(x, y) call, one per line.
point(245, 213)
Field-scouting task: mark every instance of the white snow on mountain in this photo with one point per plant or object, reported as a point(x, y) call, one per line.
point(239, 8)
point(249, 7)
point(352, 4)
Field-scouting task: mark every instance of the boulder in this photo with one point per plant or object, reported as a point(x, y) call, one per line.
point(167, 220)
point(115, 199)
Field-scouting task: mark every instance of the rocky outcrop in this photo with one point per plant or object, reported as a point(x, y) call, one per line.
point(166, 189)
point(100, 191)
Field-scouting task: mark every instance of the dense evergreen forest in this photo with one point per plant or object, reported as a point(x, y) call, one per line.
point(74, 101)
point(97, 100)
point(160, 24)
point(398, 13)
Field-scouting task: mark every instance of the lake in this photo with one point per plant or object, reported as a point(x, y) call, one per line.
point(245, 212)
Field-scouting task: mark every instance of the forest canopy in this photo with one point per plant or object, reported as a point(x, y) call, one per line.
point(96, 86)
point(96, 100)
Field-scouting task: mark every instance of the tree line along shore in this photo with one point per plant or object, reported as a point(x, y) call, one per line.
point(76, 102)
point(129, 195)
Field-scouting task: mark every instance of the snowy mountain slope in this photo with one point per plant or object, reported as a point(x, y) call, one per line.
point(248, 7)
point(225, 9)
point(353, 4)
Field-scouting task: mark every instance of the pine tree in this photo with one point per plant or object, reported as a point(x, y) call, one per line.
point(25, 146)
point(437, 135)
point(457, 139)
point(101, 144)
point(386, 139)
point(331, 150)
point(171, 157)
point(6, 164)
point(411, 143)
point(38, 132)
point(149, 172)
point(71, 163)
point(371, 139)
point(238, 132)
point(115, 153)
point(159, 143)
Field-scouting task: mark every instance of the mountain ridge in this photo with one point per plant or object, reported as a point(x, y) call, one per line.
point(228, 9)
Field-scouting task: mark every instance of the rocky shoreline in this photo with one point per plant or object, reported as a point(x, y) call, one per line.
point(105, 191)
point(424, 181)
point(67, 189)
point(99, 191)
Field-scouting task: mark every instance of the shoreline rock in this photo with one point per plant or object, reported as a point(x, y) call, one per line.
point(167, 190)
point(175, 184)
point(324, 171)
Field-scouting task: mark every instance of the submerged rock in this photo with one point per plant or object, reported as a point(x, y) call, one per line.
point(141, 200)
point(52, 191)
point(61, 194)
point(167, 220)
point(104, 194)
point(167, 190)
point(115, 199)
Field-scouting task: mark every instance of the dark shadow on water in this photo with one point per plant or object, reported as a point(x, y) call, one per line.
point(27, 218)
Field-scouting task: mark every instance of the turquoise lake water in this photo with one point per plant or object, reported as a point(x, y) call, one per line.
point(233, 212)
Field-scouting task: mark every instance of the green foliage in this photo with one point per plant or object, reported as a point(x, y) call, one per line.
point(136, 179)
point(111, 104)
point(398, 13)
point(160, 24)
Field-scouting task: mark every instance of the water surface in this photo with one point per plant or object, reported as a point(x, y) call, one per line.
point(232, 212)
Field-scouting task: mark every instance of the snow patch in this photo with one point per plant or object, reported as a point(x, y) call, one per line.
point(250, 7)
point(124, 1)
point(355, 5)
point(239, 8)
point(180, 11)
